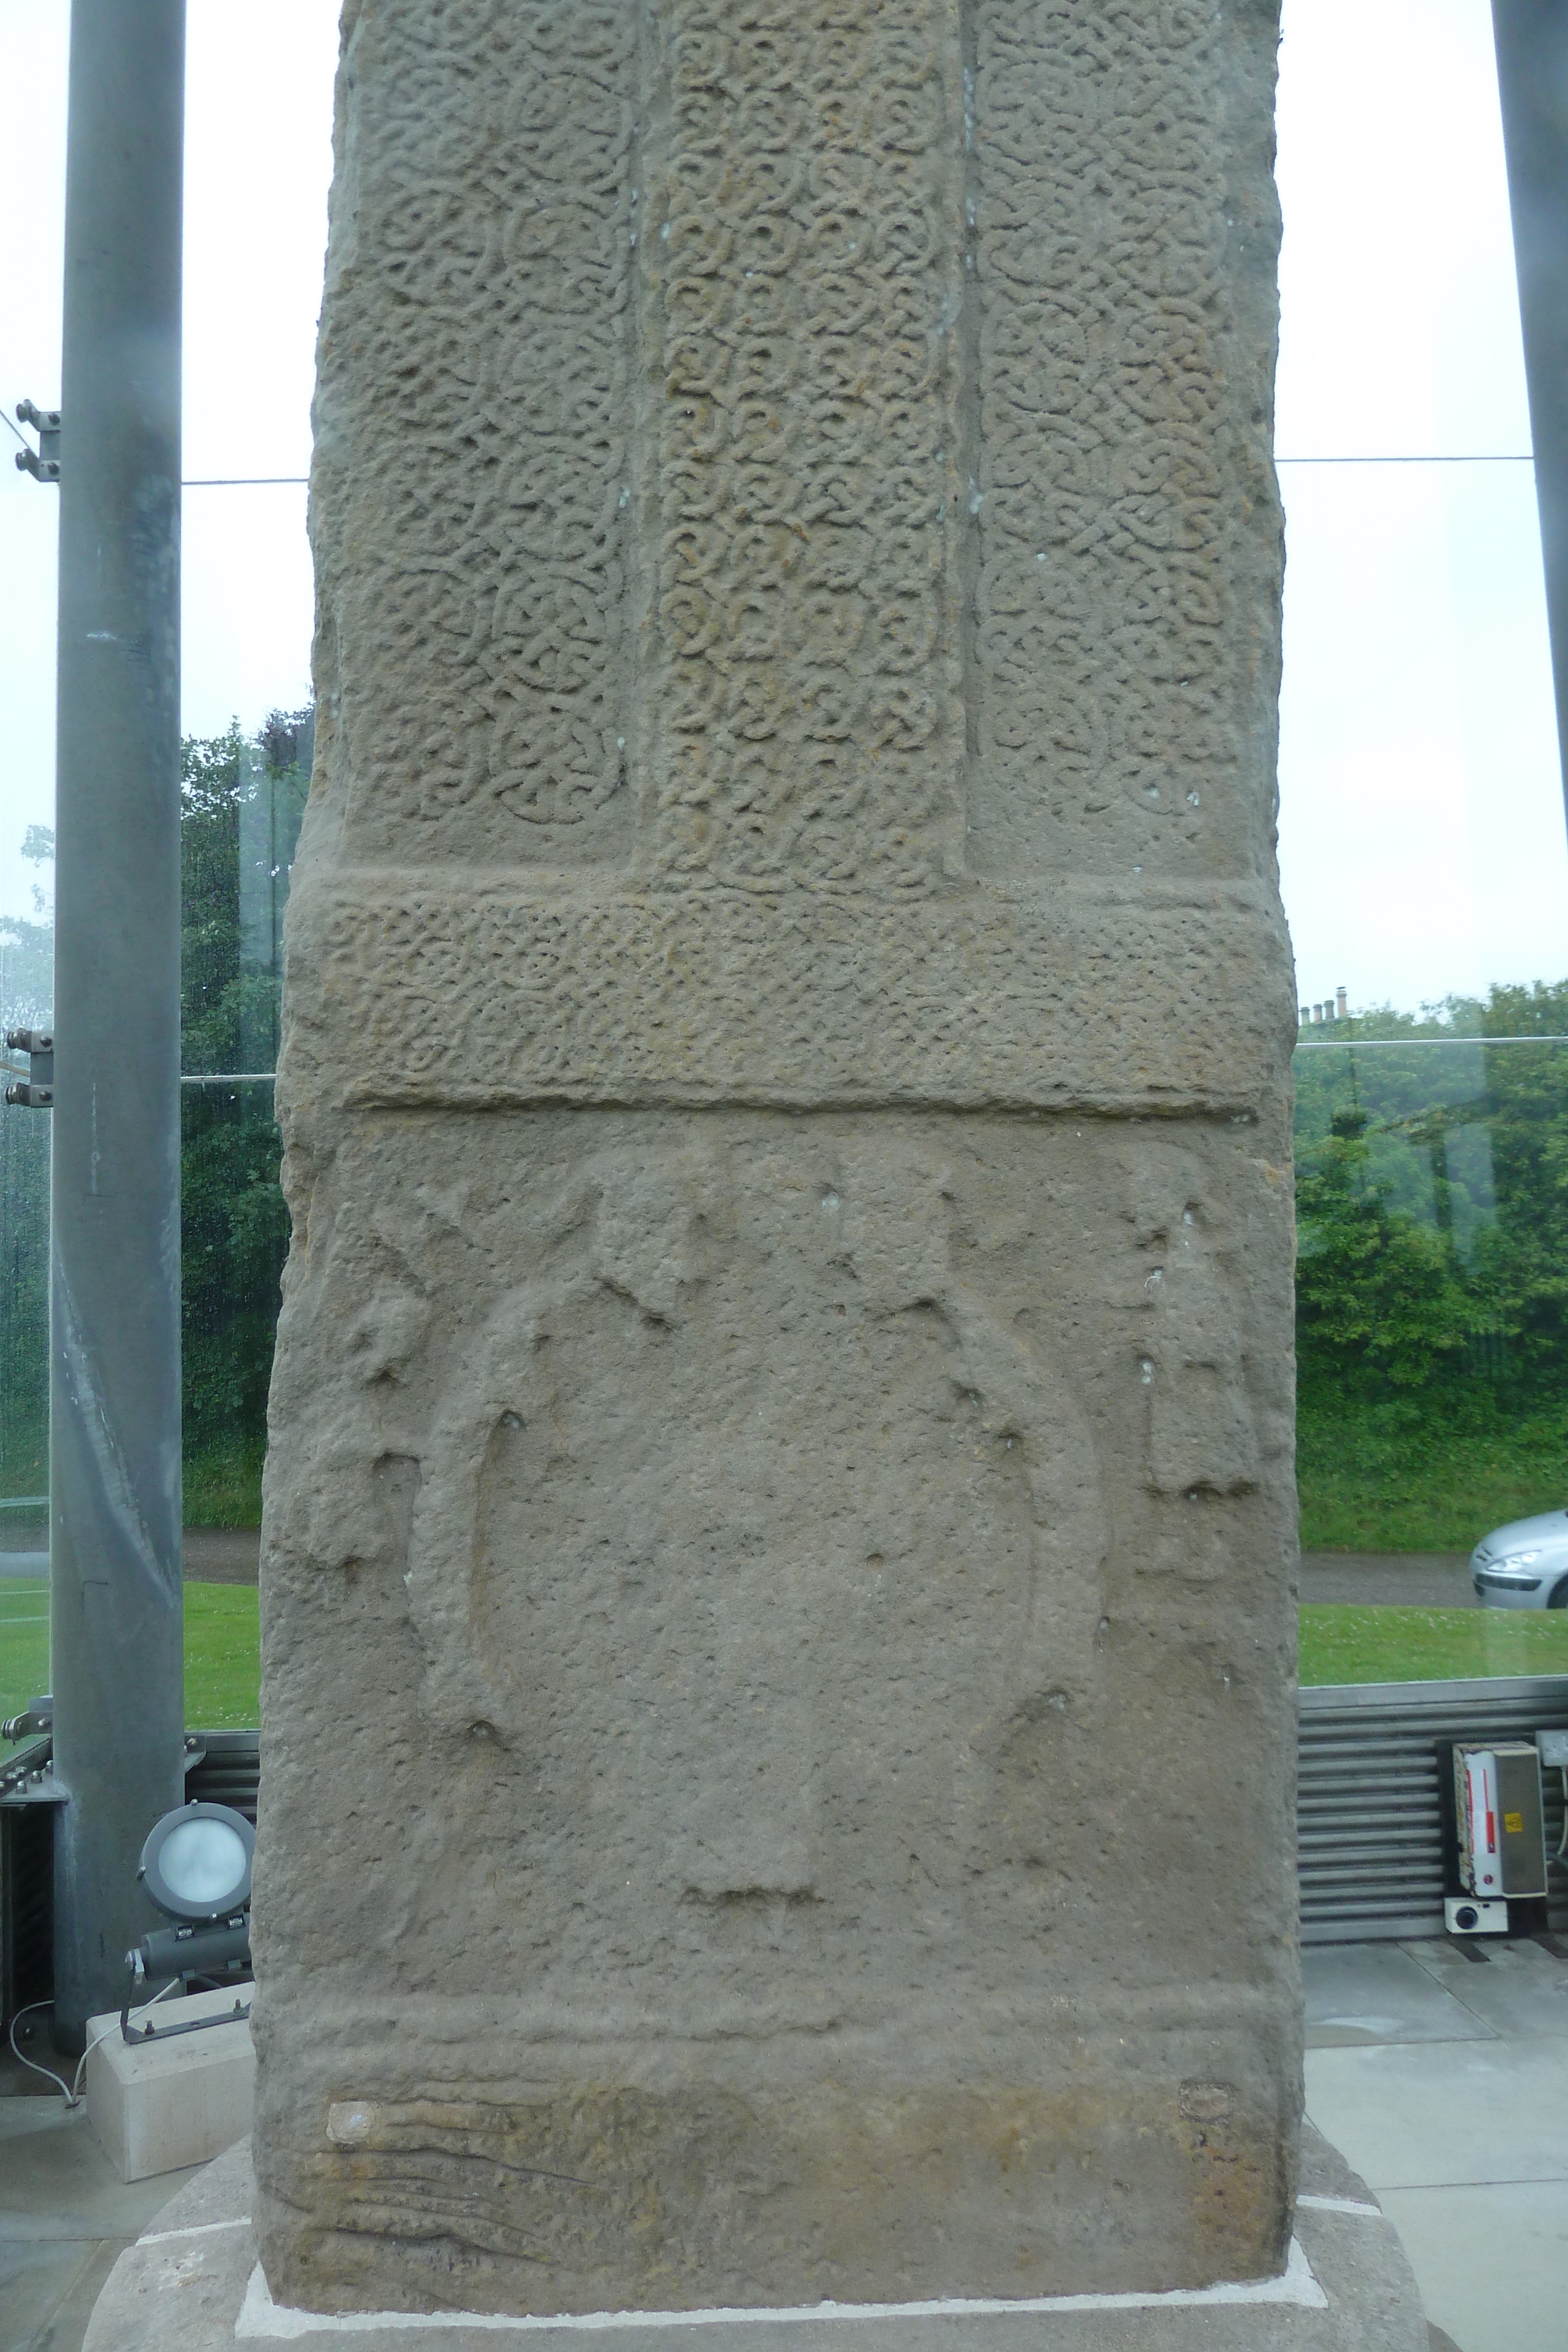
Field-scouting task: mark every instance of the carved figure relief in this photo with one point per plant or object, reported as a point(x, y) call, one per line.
point(1200, 1431)
point(787, 1012)
point(622, 1437)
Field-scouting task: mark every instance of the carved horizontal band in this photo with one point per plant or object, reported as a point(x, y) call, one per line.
point(409, 994)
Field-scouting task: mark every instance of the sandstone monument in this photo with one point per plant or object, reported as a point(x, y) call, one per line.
point(778, 1660)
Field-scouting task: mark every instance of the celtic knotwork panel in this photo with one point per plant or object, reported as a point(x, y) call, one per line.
point(1129, 533)
point(476, 351)
point(755, 442)
point(805, 273)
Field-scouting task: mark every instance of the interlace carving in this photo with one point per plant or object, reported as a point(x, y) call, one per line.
point(807, 273)
point(476, 335)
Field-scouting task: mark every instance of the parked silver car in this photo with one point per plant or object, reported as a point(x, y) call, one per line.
point(1523, 1565)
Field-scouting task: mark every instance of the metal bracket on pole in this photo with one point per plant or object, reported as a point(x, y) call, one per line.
point(44, 462)
point(28, 1778)
point(36, 1090)
point(35, 1721)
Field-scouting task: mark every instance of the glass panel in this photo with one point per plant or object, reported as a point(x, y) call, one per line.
point(26, 998)
point(1432, 1285)
point(258, 162)
point(1432, 1335)
point(1423, 855)
point(258, 125)
point(32, 138)
point(243, 805)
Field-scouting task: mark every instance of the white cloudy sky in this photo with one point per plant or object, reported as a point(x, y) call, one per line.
point(1422, 833)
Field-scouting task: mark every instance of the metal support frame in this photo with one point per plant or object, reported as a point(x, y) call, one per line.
point(1532, 38)
point(114, 1342)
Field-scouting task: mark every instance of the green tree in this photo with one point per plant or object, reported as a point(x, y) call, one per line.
point(1432, 1281)
point(234, 1225)
point(241, 800)
point(1378, 1296)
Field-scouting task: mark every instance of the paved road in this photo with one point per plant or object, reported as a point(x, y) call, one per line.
point(213, 1555)
point(222, 1555)
point(1406, 1579)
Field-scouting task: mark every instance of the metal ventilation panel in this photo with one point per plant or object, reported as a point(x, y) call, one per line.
point(1369, 1835)
point(223, 1768)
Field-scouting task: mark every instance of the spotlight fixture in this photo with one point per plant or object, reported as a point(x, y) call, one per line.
point(196, 1861)
point(195, 1865)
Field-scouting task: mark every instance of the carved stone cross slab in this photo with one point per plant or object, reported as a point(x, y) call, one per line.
point(779, 1696)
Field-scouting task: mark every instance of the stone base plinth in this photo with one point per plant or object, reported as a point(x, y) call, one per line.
point(192, 2283)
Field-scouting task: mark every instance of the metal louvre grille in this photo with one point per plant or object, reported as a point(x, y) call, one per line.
point(228, 1772)
point(1368, 1837)
point(26, 1906)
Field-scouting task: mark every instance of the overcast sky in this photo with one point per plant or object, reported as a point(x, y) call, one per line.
point(1422, 834)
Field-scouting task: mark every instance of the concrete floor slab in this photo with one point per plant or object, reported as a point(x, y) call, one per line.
point(1418, 2115)
point(35, 2280)
point(56, 2182)
point(1522, 1990)
point(26, 2111)
point(1369, 1993)
point(1493, 2261)
point(65, 2219)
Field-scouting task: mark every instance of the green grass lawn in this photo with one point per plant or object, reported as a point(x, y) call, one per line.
point(23, 1642)
point(222, 1651)
point(1347, 1645)
point(222, 1657)
point(1339, 1645)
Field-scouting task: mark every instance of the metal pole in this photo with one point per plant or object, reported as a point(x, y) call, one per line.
point(1531, 37)
point(114, 1340)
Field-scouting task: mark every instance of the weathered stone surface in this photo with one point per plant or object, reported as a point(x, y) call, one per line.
point(780, 1517)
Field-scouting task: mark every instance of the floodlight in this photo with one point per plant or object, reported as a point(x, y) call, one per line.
point(196, 1862)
